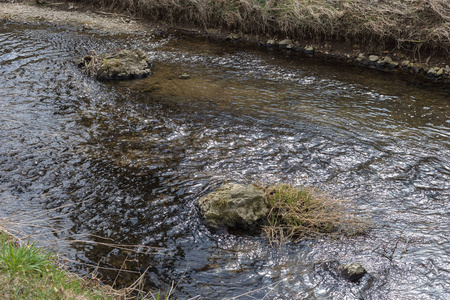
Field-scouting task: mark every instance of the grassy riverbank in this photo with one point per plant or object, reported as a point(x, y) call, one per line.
point(410, 25)
point(30, 272)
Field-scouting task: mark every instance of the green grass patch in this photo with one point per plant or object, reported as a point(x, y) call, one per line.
point(23, 259)
point(296, 213)
point(29, 272)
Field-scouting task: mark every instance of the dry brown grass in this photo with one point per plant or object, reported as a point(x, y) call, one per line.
point(408, 24)
point(296, 213)
point(90, 64)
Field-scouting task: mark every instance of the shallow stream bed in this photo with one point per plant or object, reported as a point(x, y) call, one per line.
point(85, 163)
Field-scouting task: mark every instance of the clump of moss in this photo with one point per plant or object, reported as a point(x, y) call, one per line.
point(296, 213)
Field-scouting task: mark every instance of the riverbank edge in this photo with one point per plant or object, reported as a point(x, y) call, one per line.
point(52, 279)
point(89, 17)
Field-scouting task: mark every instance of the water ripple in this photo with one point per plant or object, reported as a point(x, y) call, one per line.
point(125, 163)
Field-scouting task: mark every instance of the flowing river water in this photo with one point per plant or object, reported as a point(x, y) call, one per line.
point(84, 164)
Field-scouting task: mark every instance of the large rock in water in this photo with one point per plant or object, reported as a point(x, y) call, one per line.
point(234, 205)
point(124, 64)
point(352, 271)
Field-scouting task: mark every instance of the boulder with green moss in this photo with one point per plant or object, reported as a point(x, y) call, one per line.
point(124, 64)
point(234, 205)
point(352, 271)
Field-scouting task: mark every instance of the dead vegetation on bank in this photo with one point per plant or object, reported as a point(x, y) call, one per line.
point(406, 24)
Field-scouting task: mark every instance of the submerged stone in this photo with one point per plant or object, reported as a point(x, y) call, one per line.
point(393, 65)
point(416, 68)
point(124, 64)
point(234, 205)
point(362, 59)
point(379, 64)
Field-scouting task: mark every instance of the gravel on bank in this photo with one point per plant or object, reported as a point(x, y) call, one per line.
point(68, 14)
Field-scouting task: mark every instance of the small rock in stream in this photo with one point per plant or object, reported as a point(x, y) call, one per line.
point(435, 72)
point(352, 271)
point(233, 37)
point(184, 76)
point(373, 58)
point(309, 50)
point(285, 43)
point(271, 43)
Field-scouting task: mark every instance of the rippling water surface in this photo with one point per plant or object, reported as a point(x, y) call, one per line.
point(94, 163)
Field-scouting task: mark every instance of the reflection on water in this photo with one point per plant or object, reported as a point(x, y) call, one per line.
point(125, 162)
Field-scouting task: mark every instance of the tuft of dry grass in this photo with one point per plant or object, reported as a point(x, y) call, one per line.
point(296, 213)
point(407, 24)
point(91, 63)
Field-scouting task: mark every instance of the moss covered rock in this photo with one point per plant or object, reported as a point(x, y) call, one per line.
point(352, 271)
point(234, 205)
point(124, 64)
